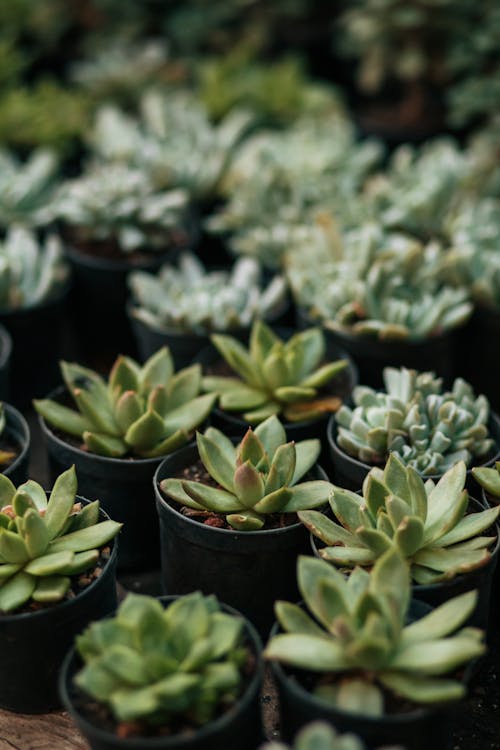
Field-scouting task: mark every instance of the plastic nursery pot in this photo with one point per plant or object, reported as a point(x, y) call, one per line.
point(239, 728)
point(480, 337)
point(372, 355)
point(37, 336)
point(34, 644)
point(421, 729)
point(17, 432)
point(247, 569)
point(5, 356)
point(350, 472)
point(124, 488)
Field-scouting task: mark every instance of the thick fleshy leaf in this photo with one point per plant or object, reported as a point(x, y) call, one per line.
point(274, 502)
point(35, 492)
point(418, 495)
point(262, 340)
point(61, 501)
point(12, 547)
point(219, 384)
point(346, 506)
point(470, 526)
point(272, 434)
point(245, 521)
point(92, 537)
point(238, 358)
point(225, 444)
point(306, 652)
point(207, 497)
point(7, 491)
point(374, 493)
point(190, 416)
point(104, 445)
point(250, 449)
point(124, 375)
point(409, 535)
point(397, 510)
point(51, 589)
point(310, 344)
point(359, 697)
point(350, 556)
point(100, 419)
point(327, 530)
point(7, 570)
point(16, 591)
point(306, 455)
point(290, 394)
point(395, 478)
point(391, 577)
point(324, 374)
point(488, 478)
point(128, 409)
point(36, 534)
point(294, 619)
point(309, 572)
point(81, 562)
point(173, 488)
point(76, 376)
point(248, 485)
point(169, 445)
point(282, 468)
point(442, 621)
point(242, 398)
point(377, 542)
point(450, 561)
point(422, 689)
point(47, 565)
point(307, 495)
point(255, 416)
point(440, 656)
point(443, 498)
point(216, 462)
point(147, 432)
point(314, 409)
point(157, 370)
point(61, 417)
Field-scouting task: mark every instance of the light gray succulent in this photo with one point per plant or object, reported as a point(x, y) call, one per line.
point(189, 298)
point(31, 272)
point(26, 189)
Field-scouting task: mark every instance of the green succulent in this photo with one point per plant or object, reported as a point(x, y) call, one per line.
point(143, 411)
point(429, 429)
point(44, 543)
point(426, 522)
point(151, 665)
point(26, 188)
point(488, 478)
point(359, 640)
point(257, 477)
point(318, 736)
point(275, 376)
point(6, 456)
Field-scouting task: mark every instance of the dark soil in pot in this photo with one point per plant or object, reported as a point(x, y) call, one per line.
point(247, 569)
point(17, 439)
point(36, 640)
point(5, 357)
point(238, 728)
point(349, 472)
point(480, 338)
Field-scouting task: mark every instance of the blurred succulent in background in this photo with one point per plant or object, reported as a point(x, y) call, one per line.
point(257, 477)
point(143, 411)
point(26, 188)
point(188, 660)
point(189, 298)
point(318, 736)
point(119, 205)
point(44, 543)
point(430, 429)
point(427, 523)
point(274, 376)
point(489, 479)
point(31, 272)
point(6, 456)
point(359, 641)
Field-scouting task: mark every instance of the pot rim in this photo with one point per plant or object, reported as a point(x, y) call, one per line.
point(12, 414)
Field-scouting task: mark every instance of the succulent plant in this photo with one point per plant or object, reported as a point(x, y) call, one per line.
point(430, 429)
point(118, 204)
point(143, 411)
point(6, 456)
point(189, 298)
point(427, 523)
point(257, 477)
point(30, 272)
point(44, 543)
point(361, 644)
point(26, 189)
point(150, 665)
point(318, 736)
point(275, 376)
point(488, 478)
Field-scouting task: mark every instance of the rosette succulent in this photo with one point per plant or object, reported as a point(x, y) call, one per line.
point(26, 189)
point(430, 429)
point(359, 641)
point(257, 477)
point(318, 736)
point(275, 376)
point(151, 665)
point(44, 543)
point(426, 522)
point(189, 298)
point(144, 411)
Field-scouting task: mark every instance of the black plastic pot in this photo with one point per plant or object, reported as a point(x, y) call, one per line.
point(5, 356)
point(237, 729)
point(421, 729)
point(34, 644)
point(372, 355)
point(249, 570)
point(17, 430)
point(37, 337)
point(480, 337)
point(350, 472)
point(124, 488)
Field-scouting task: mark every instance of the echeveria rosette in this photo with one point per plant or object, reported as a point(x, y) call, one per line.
point(150, 665)
point(426, 522)
point(488, 478)
point(255, 478)
point(146, 411)
point(360, 637)
point(318, 735)
point(43, 543)
point(274, 376)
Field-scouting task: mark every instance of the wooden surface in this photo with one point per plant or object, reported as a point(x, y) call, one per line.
point(53, 731)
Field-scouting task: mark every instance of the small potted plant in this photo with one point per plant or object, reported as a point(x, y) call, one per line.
point(122, 429)
point(350, 656)
point(450, 546)
point(428, 427)
point(15, 444)
point(181, 306)
point(228, 514)
point(318, 735)
point(57, 573)
point(182, 672)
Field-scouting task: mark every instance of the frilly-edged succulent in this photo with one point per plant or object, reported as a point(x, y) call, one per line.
point(119, 204)
point(275, 376)
point(257, 477)
point(30, 272)
point(26, 189)
point(429, 428)
point(143, 410)
point(488, 478)
point(360, 640)
point(189, 298)
point(150, 665)
point(427, 522)
point(173, 143)
point(43, 543)
point(318, 736)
